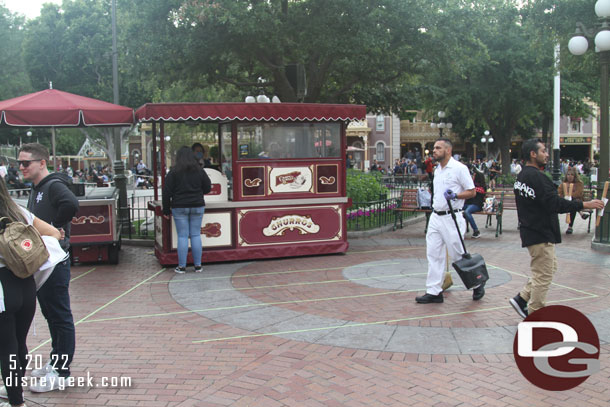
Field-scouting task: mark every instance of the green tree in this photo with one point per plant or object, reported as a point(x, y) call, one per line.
point(498, 79)
point(13, 79)
point(353, 51)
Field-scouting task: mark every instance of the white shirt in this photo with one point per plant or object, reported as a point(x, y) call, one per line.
point(456, 177)
point(3, 171)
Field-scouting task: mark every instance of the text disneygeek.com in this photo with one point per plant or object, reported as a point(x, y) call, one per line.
point(62, 383)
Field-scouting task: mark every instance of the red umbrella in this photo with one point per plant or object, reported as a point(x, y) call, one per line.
point(54, 108)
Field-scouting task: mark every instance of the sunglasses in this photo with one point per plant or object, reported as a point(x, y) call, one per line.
point(26, 163)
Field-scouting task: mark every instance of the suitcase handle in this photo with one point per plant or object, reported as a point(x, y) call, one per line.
point(466, 255)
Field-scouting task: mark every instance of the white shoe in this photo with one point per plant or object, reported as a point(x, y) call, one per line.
point(50, 382)
point(42, 372)
point(7, 404)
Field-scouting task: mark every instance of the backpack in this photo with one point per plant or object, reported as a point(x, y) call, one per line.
point(490, 204)
point(21, 247)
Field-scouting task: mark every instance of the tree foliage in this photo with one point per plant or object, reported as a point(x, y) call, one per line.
point(488, 63)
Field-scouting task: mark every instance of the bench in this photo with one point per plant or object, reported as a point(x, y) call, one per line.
point(506, 201)
point(408, 203)
point(501, 204)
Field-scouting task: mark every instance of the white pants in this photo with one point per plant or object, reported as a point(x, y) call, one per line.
point(442, 237)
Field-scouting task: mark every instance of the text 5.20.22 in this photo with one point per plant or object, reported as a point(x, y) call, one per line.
point(57, 362)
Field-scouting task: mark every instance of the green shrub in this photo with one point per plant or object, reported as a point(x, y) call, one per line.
point(365, 187)
point(507, 180)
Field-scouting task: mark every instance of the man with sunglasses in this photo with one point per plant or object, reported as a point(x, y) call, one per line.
point(52, 201)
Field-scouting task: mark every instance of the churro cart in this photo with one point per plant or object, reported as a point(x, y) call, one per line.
point(279, 189)
point(94, 234)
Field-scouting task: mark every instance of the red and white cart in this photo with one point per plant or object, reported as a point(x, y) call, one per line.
point(279, 190)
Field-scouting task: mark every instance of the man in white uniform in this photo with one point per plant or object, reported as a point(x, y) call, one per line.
point(452, 180)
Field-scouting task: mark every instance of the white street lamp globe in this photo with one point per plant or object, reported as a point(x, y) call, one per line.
point(483, 140)
point(441, 114)
point(441, 125)
point(250, 99)
point(167, 138)
point(486, 132)
point(602, 40)
point(262, 99)
point(578, 45)
point(449, 125)
point(602, 8)
point(433, 125)
point(491, 139)
point(29, 134)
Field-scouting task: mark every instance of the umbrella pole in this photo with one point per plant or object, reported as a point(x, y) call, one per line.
point(53, 146)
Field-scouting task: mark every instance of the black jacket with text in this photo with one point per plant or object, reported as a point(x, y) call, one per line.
point(52, 201)
point(537, 207)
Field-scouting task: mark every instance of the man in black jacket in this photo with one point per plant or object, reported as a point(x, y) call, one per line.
point(52, 201)
point(537, 207)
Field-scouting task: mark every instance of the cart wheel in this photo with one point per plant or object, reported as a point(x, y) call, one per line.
point(113, 254)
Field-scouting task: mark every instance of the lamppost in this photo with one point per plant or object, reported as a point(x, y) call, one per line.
point(486, 139)
point(441, 124)
point(578, 46)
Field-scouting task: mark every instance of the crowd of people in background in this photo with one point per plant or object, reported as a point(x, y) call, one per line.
point(413, 163)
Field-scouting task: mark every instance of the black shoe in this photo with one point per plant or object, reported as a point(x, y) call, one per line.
point(478, 292)
point(429, 298)
point(476, 234)
point(569, 231)
point(520, 305)
point(584, 215)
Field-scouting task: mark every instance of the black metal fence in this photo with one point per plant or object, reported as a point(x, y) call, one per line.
point(396, 183)
point(141, 219)
point(372, 215)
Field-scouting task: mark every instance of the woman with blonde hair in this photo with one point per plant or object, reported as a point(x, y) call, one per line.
point(578, 189)
point(17, 307)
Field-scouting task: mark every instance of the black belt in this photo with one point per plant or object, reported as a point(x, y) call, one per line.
point(441, 213)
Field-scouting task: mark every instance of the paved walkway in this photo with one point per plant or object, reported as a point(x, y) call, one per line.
point(340, 330)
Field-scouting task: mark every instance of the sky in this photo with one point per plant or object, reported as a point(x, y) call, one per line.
point(29, 8)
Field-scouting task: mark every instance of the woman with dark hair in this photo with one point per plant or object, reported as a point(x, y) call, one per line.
point(475, 204)
point(578, 191)
point(199, 151)
point(185, 185)
point(17, 307)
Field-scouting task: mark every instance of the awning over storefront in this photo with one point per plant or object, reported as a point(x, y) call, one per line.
point(271, 112)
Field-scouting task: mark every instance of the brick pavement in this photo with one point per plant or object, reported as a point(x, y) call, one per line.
point(186, 344)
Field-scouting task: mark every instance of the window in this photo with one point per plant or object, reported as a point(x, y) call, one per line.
point(575, 125)
point(380, 123)
point(380, 147)
point(288, 140)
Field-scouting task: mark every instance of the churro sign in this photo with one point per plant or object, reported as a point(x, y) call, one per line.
point(293, 179)
point(303, 224)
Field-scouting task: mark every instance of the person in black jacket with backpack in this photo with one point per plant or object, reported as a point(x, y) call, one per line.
point(537, 207)
point(185, 185)
point(17, 307)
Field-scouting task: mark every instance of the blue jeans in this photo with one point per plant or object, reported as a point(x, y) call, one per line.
point(468, 211)
point(188, 225)
point(54, 300)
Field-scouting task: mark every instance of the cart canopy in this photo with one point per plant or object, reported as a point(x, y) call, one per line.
point(269, 112)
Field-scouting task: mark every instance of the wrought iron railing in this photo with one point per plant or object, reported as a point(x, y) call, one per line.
point(363, 216)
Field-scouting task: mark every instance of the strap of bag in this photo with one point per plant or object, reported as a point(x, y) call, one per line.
point(457, 227)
